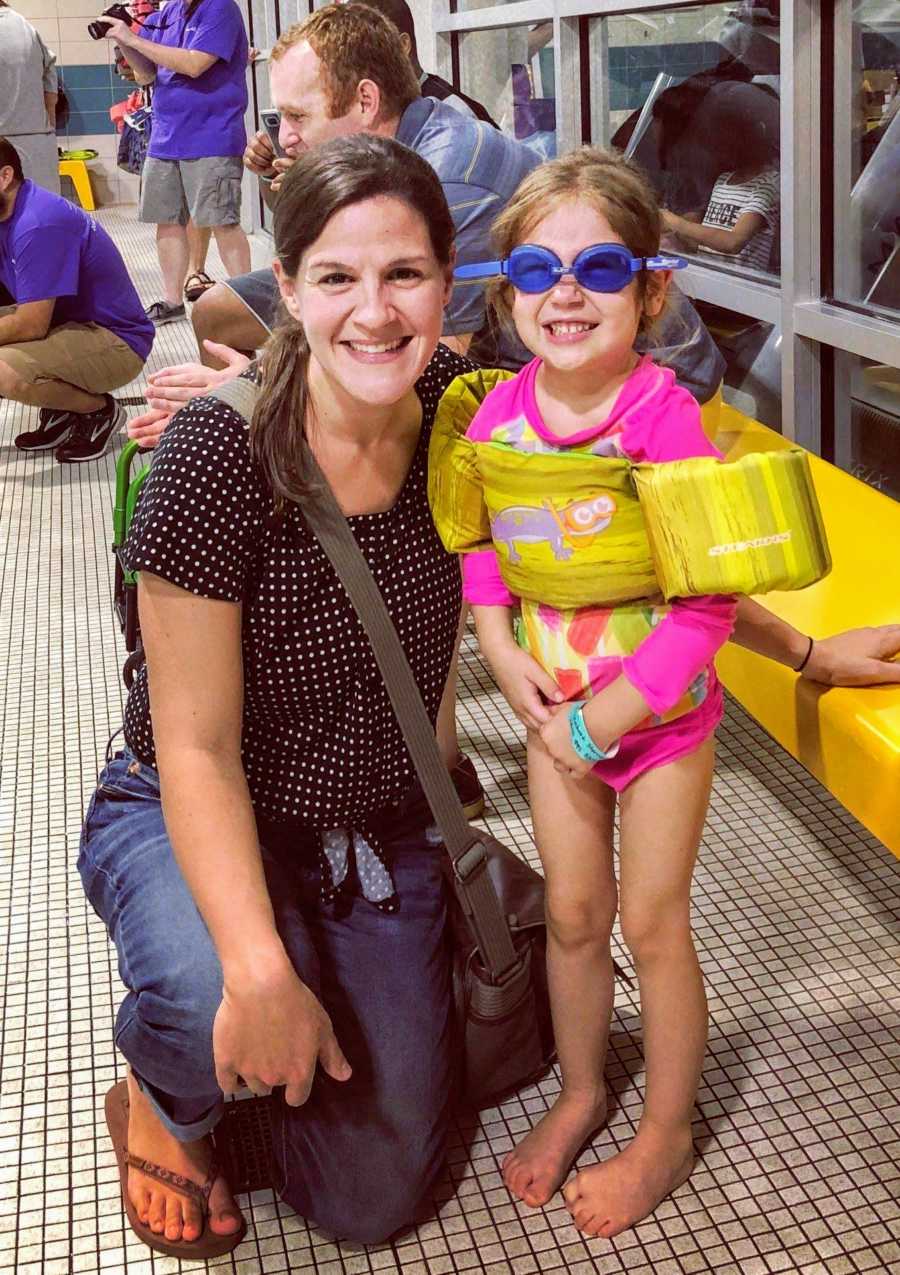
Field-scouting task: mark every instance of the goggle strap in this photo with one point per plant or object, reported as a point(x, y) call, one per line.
point(481, 270)
point(664, 263)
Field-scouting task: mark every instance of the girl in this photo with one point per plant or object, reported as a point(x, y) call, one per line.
point(642, 671)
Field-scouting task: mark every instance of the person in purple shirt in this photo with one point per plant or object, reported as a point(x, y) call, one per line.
point(76, 328)
point(195, 54)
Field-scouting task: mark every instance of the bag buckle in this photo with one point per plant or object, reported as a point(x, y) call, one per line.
point(470, 861)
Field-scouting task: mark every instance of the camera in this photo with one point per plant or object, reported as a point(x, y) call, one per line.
point(97, 30)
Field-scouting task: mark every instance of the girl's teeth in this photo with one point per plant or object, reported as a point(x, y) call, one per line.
point(566, 329)
point(373, 347)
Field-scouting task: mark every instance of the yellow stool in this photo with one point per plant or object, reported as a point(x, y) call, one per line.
point(77, 169)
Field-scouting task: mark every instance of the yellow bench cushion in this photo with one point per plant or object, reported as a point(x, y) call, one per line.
point(848, 737)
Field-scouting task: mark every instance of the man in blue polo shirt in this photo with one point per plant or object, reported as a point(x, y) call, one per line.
point(194, 52)
point(76, 328)
point(479, 168)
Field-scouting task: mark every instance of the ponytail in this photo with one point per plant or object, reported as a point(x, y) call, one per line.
point(277, 429)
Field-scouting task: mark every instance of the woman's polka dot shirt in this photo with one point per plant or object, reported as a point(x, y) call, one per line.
point(321, 747)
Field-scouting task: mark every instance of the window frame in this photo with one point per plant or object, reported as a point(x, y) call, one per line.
point(817, 330)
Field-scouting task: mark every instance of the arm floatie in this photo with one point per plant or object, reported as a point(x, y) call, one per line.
point(455, 489)
point(746, 526)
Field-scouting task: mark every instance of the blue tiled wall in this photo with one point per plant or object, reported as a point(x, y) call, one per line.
point(632, 69)
point(91, 91)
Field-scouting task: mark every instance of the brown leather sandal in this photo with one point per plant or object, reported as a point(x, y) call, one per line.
point(196, 284)
point(207, 1244)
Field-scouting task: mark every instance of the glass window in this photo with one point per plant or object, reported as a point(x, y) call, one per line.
point(511, 72)
point(692, 94)
point(867, 261)
point(867, 422)
point(752, 353)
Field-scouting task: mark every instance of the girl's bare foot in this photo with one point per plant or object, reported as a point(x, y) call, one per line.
point(538, 1165)
point(610, 1197)
point(166, 1211)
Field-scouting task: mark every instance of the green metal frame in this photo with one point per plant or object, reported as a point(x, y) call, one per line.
point(127, 491)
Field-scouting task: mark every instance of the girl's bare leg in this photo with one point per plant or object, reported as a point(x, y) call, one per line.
point(573, 827)
point(662, 816)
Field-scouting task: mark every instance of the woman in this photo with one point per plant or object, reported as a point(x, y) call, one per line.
point(259, 850)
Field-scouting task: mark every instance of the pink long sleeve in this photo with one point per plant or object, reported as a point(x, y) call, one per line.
point(482, 583)
point(681, 646)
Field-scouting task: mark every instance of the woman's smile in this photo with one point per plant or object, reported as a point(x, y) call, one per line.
point(377, 351)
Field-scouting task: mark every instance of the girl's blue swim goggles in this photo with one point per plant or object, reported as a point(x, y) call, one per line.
point(603, 267)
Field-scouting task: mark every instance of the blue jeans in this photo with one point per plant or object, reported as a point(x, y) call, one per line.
point(359, 1156)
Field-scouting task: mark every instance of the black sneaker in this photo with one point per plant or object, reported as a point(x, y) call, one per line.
point(91, 433)
point(161, 313)
point(468, 787)
point(53, 429)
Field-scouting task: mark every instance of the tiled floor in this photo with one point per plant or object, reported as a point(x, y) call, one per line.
point(796, 918)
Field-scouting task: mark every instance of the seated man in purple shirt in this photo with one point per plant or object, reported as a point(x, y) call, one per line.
point(76, 328)
point(194, 52)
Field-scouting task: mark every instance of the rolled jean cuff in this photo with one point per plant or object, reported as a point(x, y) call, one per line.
point(184, 1131)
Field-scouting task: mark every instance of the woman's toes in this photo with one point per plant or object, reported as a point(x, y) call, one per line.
point(140, 1198)
point(174, 1221)
point(224, 1214)
point(156, 1218)
point(225, 1222)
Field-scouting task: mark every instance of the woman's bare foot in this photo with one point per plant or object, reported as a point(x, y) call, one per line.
point(611, 1197)
point(167, 1211)
point(538, 1165)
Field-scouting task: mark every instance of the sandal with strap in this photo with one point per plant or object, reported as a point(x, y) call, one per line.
point(196, 284)
point(207, 1244)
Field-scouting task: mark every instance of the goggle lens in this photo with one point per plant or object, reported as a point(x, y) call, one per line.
point(603, 268)
point(531, 270)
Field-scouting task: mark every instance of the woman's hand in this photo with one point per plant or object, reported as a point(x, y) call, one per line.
point(524, 683)
point(274, 1031)
point(147, 429)
point(557, 739)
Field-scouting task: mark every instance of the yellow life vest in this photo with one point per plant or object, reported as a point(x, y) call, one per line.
point(614, 531)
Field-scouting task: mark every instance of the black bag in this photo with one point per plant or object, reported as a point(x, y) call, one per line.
point(133, 146)
point(505, 1034)
point(63, 109)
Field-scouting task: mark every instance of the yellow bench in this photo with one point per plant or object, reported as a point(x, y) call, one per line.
point(848, 737)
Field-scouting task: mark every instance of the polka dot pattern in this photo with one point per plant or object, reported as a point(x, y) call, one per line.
point(321, 747)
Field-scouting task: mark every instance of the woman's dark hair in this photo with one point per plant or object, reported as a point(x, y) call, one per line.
point(10, 158)
point(322, 182)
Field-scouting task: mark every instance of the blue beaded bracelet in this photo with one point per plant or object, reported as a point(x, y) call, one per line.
point(582, 743)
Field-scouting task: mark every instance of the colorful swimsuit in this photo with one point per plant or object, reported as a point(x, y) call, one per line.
point(665, 650)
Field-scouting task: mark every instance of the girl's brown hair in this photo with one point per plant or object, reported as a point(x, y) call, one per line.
point(322, 182)
point(618, 189)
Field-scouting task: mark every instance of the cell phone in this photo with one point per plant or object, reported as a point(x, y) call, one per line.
point(271, 122)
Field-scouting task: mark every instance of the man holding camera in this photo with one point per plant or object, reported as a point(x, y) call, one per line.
point(76, 329)
point(194, 53)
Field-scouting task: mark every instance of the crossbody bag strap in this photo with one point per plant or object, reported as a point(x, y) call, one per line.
point(464, 845)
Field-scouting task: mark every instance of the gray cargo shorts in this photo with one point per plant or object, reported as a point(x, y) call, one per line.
point(207, 190)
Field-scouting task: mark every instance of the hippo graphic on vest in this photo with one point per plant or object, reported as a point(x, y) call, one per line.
point(563, 529)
